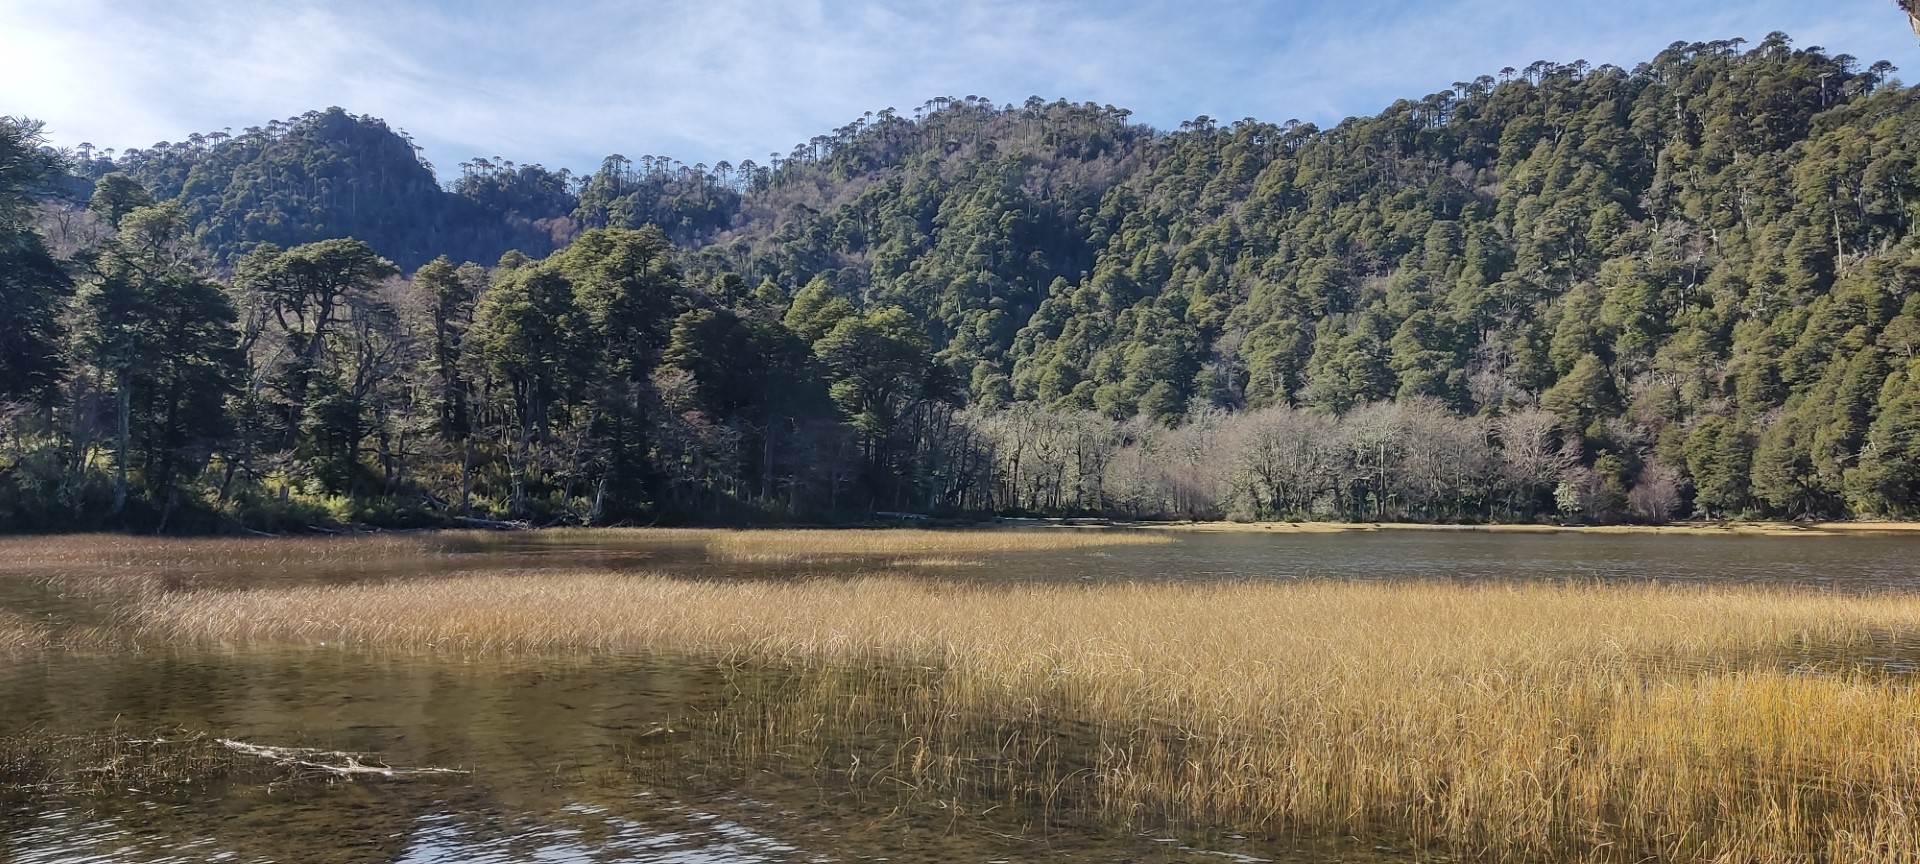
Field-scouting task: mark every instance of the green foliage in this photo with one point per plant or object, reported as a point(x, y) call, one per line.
point(443, 298)
point(1886, 481)
point(318, 312)
point(326, 175)
point(1583, 396)
point(875, 362)
point(1690, 286)
point(628, 287)
point(32, 284)
point(528, 341)
point(686, 203)
point(116, 195)
point(164, 336)
point(1719, 455)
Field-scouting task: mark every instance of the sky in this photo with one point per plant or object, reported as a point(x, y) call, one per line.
point(566, 83)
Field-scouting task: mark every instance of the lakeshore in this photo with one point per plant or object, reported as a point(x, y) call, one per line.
point(1699, 529)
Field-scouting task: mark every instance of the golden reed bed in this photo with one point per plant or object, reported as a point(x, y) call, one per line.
point(1497, 722)
point(114, 554)
point(786, 546)
point(119, 555)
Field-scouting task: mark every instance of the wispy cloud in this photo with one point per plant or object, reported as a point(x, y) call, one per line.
point(731, 79)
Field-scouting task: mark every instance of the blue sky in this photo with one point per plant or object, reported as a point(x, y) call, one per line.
point(565, 83)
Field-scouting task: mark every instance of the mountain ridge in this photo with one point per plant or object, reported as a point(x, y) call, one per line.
point(1703, 269)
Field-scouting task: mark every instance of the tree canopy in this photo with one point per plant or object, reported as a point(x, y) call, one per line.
point(1601, 293)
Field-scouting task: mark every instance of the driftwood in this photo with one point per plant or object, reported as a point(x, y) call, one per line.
point(490, 524)
point(334, 763)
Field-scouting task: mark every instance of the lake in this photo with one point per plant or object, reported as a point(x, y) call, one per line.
point(611, 756)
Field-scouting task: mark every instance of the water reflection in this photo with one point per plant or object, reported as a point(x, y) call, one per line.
point(578, 834)
point(549, 742)
point(1867, 562)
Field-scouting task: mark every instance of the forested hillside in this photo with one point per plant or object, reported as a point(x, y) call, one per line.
point(1595, 293)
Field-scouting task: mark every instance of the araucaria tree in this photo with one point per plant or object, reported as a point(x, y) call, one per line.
point(1686, 289)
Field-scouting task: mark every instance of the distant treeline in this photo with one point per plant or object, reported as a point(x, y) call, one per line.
point(1684, 289)
point(1391, 461)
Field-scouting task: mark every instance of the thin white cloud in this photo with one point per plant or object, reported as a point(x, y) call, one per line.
point(732, 79)
point(1356, 64)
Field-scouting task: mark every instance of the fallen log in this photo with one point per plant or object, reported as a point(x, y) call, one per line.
point(328, 762)
point(490, 524)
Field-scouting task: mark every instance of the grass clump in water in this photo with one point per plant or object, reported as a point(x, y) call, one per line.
point(106, 763)
point(1592, 723)
point(38, 762)
point(18, 633)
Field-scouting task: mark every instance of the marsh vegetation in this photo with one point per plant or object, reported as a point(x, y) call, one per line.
point(41, 762)
point(17, 633)
point(37, 763)
point(1512, 719)
point(1671, 723)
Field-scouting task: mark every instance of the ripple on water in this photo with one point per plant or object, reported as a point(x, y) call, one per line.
point(579, 834)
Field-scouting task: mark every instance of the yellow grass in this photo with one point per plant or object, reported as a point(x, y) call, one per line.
point(17, 632)
point(602, 536)
point(121, 553)
point(1257, 527)
point(1754, 529)
point(782, 546)
point(899, 546)
point(1500, 722)
point(1898, 527)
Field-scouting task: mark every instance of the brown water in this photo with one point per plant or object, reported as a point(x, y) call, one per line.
point(594, 758)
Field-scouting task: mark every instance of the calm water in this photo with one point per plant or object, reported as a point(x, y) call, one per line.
point(553, 743)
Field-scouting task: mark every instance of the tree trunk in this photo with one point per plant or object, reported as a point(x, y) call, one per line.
point(173, 499)
point(123, 441)
point(518, 471)
point(766, 462)
point(466, 476)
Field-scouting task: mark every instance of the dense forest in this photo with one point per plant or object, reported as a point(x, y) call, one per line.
point(1687, 289)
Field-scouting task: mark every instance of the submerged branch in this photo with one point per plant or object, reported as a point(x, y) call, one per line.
point(328, 762)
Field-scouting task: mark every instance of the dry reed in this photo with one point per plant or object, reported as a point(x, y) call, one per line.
point(1504, 722)
point(801, 546)
point(40, 761)
point(17, 633)
point(119, 555)
point(122, 554)
point(602, 536)
point(106, 763)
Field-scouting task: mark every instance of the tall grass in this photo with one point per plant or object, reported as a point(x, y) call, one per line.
point(17, 632)
point(813, 546)
point(790, 545)
point(569, 537)
point(109, 554)
point(122, 554)
point(1502, 722)
point(91, 572)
